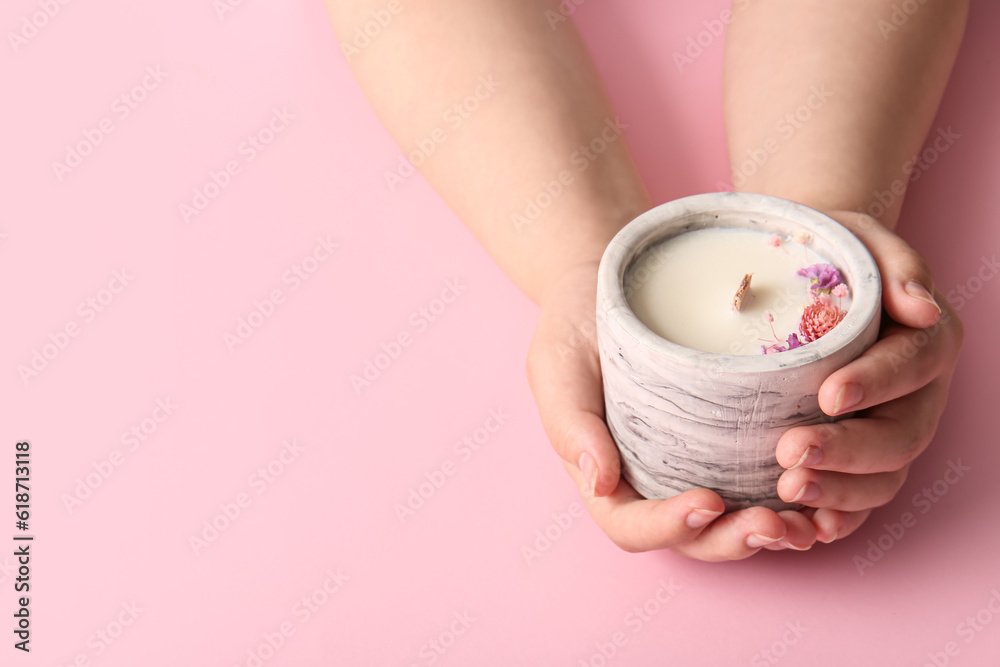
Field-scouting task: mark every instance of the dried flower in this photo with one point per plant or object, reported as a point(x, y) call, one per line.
point(818, 319)
point(823, 276)
point(794, 342)
point(774, 241)
point(821, 298)
point(840, 291)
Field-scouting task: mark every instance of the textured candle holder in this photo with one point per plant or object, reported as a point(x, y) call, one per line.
point(686, 419)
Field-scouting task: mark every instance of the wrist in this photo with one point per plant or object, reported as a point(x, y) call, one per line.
point(576, 247)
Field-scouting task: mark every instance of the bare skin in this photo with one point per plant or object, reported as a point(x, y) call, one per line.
point(546, 101)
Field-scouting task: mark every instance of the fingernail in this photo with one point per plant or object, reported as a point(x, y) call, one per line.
point(807, 493)
point(588, 467)
point(699, 518)
point(810, 457)
point(756, 540)
point(832, 539)
point(789, 545)
point(849, 395)
point(918, 291)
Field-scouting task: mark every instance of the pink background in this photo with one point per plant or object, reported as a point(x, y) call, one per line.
point(331, 506)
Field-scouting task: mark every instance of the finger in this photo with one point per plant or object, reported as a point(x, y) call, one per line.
point(835, 490)
point(887, 438)
point(637, 524)
point(901, 362)
point(736, 536)
point(800, 534)
point(907, 280)
point(833, 525)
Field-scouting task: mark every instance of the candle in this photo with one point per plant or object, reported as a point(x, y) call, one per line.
point(686, 295)
point(690, 400)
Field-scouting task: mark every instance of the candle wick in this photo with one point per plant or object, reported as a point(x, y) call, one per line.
point(742, 292)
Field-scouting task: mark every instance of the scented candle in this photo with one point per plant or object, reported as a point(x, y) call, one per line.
point(697, 393)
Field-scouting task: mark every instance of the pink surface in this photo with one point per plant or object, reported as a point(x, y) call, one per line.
point(458, 572)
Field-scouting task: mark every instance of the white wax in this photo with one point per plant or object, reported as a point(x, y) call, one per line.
point(683, 289)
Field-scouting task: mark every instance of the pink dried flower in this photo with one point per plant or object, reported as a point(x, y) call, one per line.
point(820, 298)
point(840, 291)
point(774, 241)
point(818, 319)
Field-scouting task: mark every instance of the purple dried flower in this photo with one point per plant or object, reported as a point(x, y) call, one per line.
point(823, 276)
point(793, 341)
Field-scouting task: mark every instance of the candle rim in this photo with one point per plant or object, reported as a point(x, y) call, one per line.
point(768, 212)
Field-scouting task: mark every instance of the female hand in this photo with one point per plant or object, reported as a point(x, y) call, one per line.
point(898, 388)
point(564, 371)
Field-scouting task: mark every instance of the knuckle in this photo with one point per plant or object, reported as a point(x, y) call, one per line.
point(911, 262)
point(913, 446)
point(921, 267)
point(893, 484)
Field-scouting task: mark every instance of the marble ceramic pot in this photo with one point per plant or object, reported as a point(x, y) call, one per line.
point(685, 419)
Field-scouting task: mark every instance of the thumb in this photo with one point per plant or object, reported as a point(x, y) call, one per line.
point(586, 444)
point(907, 280)
point(568, 389)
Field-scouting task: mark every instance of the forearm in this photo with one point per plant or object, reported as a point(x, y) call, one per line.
point(528, 129)
point(866, 94)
